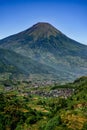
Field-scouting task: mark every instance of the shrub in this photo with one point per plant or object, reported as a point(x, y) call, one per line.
point(53, 123)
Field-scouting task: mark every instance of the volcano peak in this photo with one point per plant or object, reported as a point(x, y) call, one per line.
point(43, 29)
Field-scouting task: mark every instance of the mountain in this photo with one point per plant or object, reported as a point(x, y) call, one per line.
point(45, 45)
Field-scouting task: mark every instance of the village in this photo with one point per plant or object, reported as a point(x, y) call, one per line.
point(65, 93)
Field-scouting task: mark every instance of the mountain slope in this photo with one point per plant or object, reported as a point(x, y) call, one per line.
point(16, 65)
point(48, 46)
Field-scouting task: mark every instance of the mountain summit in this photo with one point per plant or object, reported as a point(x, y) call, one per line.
point(47, 46)
point(42, 29)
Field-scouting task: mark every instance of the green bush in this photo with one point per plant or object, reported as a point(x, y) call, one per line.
point(53, 123)
point(31, 120)
point(84, 126)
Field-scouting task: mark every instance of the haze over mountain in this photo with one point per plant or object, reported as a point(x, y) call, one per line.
point(47, 50)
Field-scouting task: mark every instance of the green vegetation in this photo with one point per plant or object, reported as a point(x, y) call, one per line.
point(19, 110)
point(16, 66)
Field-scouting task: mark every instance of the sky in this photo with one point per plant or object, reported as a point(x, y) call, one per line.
point(68, 16)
